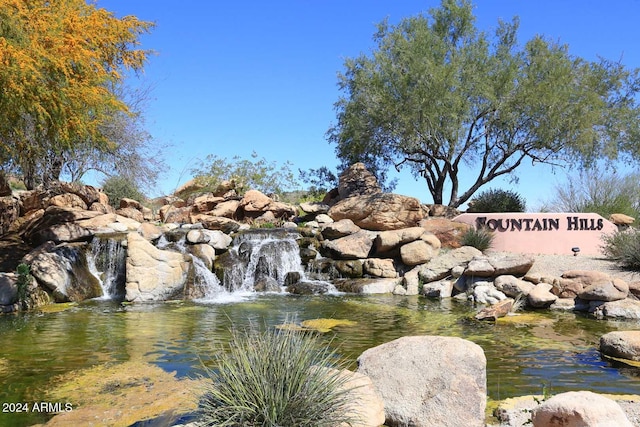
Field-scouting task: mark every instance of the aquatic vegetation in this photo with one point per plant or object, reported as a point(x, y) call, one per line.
point(57, 308)
point(326, 325)
point(121, 394)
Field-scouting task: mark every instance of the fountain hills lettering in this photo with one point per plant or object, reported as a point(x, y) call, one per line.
point(573, 223)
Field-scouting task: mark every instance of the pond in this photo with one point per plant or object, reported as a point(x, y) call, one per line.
point(552, 350)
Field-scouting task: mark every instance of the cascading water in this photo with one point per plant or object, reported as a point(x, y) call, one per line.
point(264, 260)
point(259, 260)
point(205, 282)
point(107, 261)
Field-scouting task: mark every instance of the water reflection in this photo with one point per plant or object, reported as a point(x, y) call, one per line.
point(524, 354)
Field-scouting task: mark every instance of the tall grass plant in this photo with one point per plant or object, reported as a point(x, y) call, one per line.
point(275, 378)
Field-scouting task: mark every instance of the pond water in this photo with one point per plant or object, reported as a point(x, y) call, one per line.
point(552, 350)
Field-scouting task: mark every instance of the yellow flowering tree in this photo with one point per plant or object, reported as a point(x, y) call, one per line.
point(59, 63)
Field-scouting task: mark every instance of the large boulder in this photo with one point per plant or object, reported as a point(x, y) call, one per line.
point(621, 219)
point(579, 409)
point(540, 296)
point(218, 240)
point(9, 288)
point(64, 271)
point(378, 267)
point(356, 180)
point(497, 264)
point(429, 381)
point(68, 200)
point(613, 289)
point(66, 232)
point(440, 267)
point(87, 193)
point(512, 286)
point(226, 225)
point(254, 203)
point(173, 214)
point(353, 246)
point(352, 268)
point(365, 406)
point(418, 252)
point(9, 211)
point(621, 344)
point(314, 208)
point(226, 209)
point(486, 293)
point(367, 286)
point(58, 224)
point(392, 239)
point(621, 309)
point(153, 274)
point(337, 229)
point(437, 289)
point(448, 232)
point(132, 213)
point(33, 200)
point(206, 202)
point(381, 211)
point(573, 282)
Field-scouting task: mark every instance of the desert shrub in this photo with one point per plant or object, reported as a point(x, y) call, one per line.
point(118, 187)
point(273, 378)
point(480, 238)
point(496, 200)
point(623, 247)
point(599, 191)
point(255, 173)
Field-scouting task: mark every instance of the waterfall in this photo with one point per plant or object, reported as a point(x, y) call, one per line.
point(262, 259)
point(205, 282)
point(107, 261)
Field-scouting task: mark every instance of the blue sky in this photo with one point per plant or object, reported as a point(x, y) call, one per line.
point(230, 78)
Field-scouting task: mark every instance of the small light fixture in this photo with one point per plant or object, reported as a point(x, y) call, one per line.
point(575, 251)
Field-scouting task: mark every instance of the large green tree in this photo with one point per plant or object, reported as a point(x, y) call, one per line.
point(59, 61)
point(439, 96)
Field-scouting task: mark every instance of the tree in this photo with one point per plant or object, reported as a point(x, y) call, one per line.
point(132, 154)
point(58, 64)
point(437, 96)
point(598, 191)
point(248, 174)
point(320, 180)
point(118, 187)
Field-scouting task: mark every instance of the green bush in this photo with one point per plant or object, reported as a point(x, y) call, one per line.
point(248, 174)
point(623, 247)
point(497, 201)
point(480, 238)
point(118, 187)
point(273, 379)
point(22, 283)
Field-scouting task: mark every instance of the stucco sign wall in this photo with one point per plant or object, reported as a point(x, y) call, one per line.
point(543, 233)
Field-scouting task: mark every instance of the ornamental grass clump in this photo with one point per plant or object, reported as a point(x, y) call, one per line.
point(623, 247)
point(275, 378)
point(480, 238)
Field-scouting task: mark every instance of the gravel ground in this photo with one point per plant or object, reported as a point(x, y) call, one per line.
point(555, 265)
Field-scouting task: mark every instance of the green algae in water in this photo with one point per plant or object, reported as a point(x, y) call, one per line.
point(56, 308)
point(558, 349)
point(326, 325)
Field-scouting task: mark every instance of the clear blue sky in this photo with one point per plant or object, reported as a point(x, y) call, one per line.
point(232, 77)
